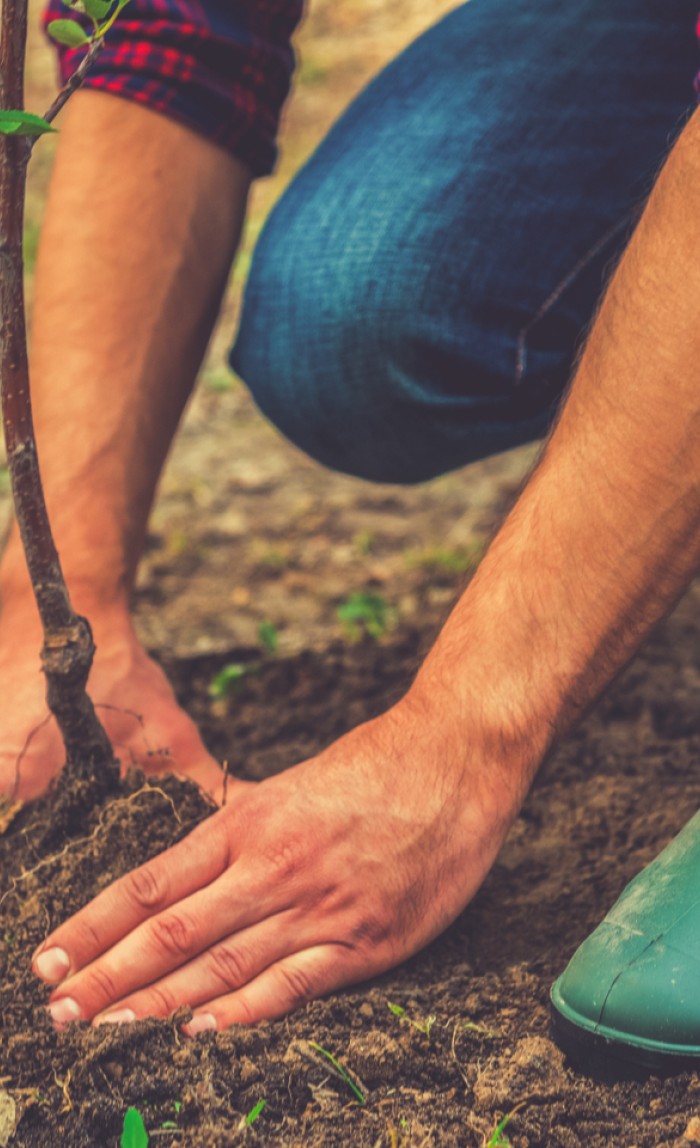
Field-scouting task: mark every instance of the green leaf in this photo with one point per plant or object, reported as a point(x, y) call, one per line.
point(269, 638)
point(342, 1073)
point(108, 23)
point(365, 611)
point(134, 1134)
point(23, 124)
point(498, 1136)
point(255, 1112)
point(396, 1009)
point(97, 9)
point(230, 679)
point(67, 32)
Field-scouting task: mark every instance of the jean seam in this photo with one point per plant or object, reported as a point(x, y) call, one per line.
point(558, 291)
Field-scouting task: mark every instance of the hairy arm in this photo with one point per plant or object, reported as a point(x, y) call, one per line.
point(606, 534)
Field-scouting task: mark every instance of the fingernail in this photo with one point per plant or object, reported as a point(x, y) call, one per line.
point(119, 1016)
point(202, 1022)
point(64, 1011)
point(52, 965)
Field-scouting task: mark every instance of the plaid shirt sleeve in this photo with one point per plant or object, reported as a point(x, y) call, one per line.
point(222, 67)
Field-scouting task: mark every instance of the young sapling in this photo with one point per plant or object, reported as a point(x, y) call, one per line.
point(68, 648)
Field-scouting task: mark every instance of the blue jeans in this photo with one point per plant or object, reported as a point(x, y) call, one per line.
point(419, 294)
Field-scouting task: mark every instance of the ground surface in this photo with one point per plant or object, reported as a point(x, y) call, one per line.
point(246, 531)
point(609, 799)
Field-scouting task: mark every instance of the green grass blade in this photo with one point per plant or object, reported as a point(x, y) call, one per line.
point(340, 1070)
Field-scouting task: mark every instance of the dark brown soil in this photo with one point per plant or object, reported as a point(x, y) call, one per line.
point(608, 800)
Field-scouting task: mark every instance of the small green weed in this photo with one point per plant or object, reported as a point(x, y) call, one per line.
point(445, 559)
point(231, 678)
point(220, 381)
point(421, 1026)
point(498, 1137)
point(178, 542)
point(365, 613)
point(479, 1029)
point(398, 1139)
point(172, 1125)
point(364, 542)
point(268, 636)
point(255, 1112)
point(134, 1134)
point(340, 1071)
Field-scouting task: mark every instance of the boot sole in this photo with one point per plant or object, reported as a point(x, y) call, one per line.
point(610, 1056)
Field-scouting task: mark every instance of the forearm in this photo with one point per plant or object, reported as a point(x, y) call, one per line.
point(141, 226)
point(606, 534)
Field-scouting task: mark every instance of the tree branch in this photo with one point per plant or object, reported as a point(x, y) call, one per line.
point(72, 84)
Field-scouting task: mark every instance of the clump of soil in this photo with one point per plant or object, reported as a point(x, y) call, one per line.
point(604, 805)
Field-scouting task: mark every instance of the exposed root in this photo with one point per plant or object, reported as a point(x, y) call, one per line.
point(67, 1105)
point(141, 721)
point(23, 752)
point(224, 792)
point(101, 825)
point(8, 812)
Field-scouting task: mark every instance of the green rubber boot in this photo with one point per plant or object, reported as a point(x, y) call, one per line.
point(628, 1004)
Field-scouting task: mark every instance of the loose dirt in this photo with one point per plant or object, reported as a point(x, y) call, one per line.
point(605, 803)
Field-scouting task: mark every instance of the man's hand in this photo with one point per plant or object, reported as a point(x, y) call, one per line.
point(134, 701)
point(328, 874)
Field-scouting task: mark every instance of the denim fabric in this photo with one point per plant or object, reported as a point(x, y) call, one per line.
point(418, 296)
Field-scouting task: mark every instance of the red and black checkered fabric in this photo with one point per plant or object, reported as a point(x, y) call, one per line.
point(222, 67)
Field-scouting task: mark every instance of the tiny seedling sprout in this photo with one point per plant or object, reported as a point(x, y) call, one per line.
point(134, 1134)
point(340, 1071)
point(255, 1112)
point(498, 1138)
point(268, 636)
point(423, 1026)
point(365, 613)
point(229, 679)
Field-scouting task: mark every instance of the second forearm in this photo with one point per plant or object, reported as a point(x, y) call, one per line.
point(607, 531)
point(141, 227)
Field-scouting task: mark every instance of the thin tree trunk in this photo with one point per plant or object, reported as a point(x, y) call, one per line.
point(68, 646)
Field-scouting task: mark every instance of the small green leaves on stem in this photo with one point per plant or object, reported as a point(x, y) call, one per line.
point(96, 9)
point(23, 123)
point(423, 1026)
point(101, 13)
point(69, 33)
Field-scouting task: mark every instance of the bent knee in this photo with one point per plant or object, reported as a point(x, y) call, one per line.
point(343, 354)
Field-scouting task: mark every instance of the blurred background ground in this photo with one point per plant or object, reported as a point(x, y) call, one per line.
point(246, 529)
